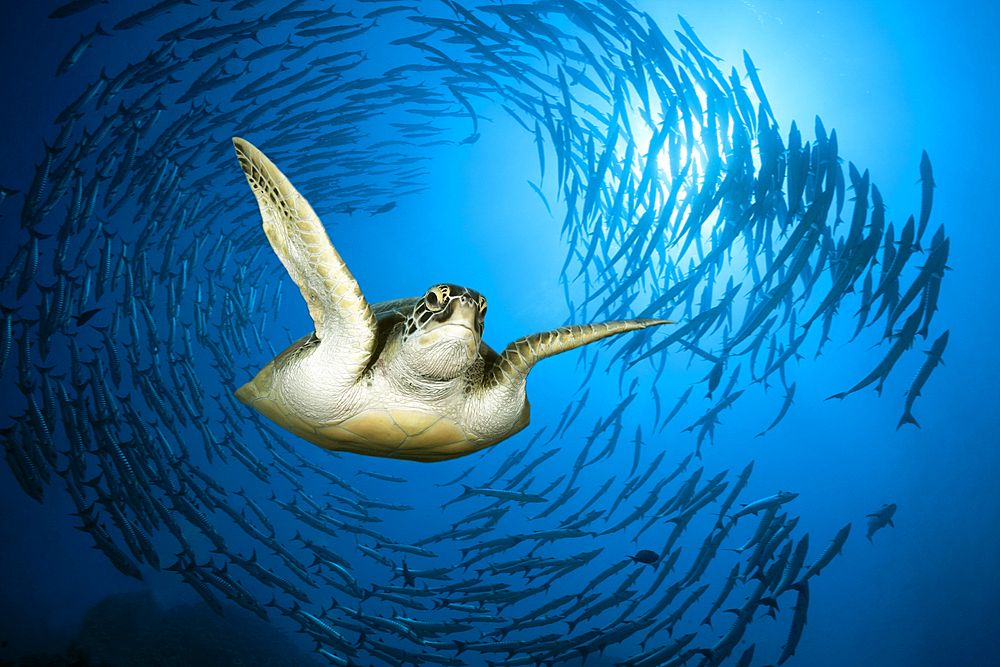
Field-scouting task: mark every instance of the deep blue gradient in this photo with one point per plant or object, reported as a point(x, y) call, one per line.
point(894, 79)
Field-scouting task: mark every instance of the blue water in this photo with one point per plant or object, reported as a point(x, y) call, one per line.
point(894, 79)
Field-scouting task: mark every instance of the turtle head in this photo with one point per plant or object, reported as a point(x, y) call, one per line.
point(444, 331)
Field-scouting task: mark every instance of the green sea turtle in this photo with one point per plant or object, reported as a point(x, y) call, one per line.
point(406, 379)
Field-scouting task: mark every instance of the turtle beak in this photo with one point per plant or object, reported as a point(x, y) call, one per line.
point(460, 311)
point(458, 322)
point(463, 315)
point(451, 340)
point(464, 311)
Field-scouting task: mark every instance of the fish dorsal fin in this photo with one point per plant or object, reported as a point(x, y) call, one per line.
point(336, 304)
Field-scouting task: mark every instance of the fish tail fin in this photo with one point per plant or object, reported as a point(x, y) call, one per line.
point(907, 418)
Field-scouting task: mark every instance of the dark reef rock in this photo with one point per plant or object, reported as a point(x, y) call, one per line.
point(131, 629)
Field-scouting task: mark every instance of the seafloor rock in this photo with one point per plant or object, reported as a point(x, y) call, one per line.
point(70, 658)
point(132, 629)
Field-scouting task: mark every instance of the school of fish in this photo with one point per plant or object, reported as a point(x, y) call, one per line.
point(134, 291)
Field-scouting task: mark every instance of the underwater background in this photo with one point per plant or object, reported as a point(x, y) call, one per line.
point(528, 151)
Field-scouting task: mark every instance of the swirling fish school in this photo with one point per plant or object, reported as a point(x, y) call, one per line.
point(139, 299)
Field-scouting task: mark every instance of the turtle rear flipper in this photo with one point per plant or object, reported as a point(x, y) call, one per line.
point(343, 320)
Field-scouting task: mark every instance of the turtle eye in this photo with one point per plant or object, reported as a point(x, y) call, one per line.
point(435, 298)
point(482, 306)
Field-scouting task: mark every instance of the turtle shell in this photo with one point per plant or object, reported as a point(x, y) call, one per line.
point(402, 432)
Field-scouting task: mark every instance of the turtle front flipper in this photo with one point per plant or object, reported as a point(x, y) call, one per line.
point(513, 364)
point(500, 407)
point(343, 319)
